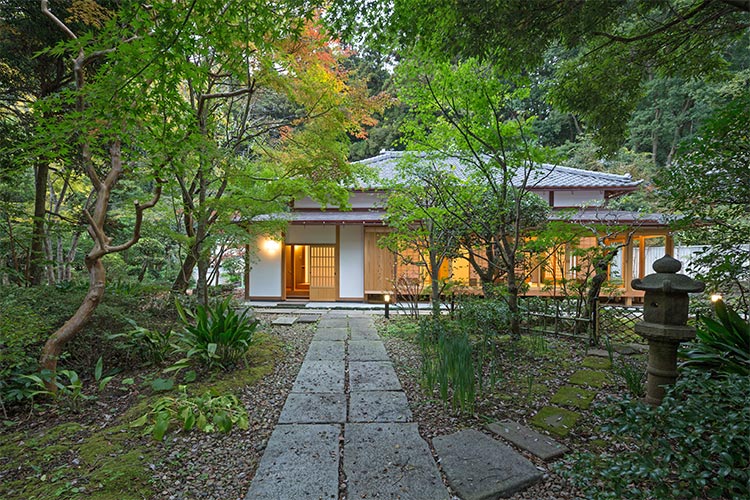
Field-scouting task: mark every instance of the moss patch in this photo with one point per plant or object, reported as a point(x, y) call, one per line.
point(597, 363)
point(568, 395)
point(558, 421)
point(590, 378)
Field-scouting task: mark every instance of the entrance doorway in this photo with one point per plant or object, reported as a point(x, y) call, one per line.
point(297, 275)
point(310, 272)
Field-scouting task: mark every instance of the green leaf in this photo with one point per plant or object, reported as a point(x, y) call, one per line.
point(140, 421)
point(162, 384)
point(160, 428)
point(98, 368)
point(190, 376)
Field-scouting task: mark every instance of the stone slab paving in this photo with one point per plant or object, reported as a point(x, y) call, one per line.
point(367, 350)
point(558, 421)
point(326, 350)
point(300, 462)
point(284, 320)
point(331, 334)
point(591, 378)
point(308, 318)
point(330, 322)
point(379, 406)
point(390, 461)
point(527, 439)
point(314, 408)
point(320, 376)
point(481, 468)
point(364, 333)
point(373, 376)
point(577, 397)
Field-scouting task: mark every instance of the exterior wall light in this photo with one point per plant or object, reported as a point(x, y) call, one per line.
point(271, 246)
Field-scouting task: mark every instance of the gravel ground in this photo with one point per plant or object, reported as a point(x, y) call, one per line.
point(512, 401)
point(221, 467)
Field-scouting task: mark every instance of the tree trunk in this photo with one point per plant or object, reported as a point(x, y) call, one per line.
point(36, 255)
point(515, 320)
point(182, 282)
point(55, 343)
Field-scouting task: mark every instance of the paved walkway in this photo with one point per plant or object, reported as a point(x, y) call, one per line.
point(346, 428)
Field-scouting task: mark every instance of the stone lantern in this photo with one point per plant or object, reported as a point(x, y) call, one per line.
point(665, 314)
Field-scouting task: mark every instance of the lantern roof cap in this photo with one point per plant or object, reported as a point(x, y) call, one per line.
point(666, 279)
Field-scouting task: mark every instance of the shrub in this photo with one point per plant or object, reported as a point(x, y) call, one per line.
point(207, 413)
point(483, 315)
point(722, 346)
point(216, 335)
point(692, 446)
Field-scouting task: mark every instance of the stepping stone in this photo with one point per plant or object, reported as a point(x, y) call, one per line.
point(364, 333)
point(379, 406)
point(306, 408)
point(389, 461)
point(320, 376)
point(373, 376)
point(630, 349)
point(367, 350)
point(329, 322)
point(588, 377)
point(481, 468)
point(326, 350)
point(300, 462)
point(284, 321)
point(537, 444)
point(308, 318)
point(596, 363)
point(558, 421)
point(600, 353)
point(573, 396)
point(331, 334)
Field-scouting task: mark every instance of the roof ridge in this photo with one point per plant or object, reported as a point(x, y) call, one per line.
point(594, 173)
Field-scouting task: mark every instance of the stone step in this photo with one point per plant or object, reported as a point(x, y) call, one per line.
point(527, 439)
point(284, 321)
point(300, 462)
point(481, 468)
point(389, 461)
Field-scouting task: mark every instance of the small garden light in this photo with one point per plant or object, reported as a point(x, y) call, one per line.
point(387, 299)
point(716, 297)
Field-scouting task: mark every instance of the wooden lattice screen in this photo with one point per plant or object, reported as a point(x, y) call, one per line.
point(322, 272)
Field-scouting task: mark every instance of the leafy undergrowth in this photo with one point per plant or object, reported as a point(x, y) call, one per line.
point(95, 452)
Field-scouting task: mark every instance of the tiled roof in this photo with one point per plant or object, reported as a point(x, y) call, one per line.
point(546, 176)
point(600, 215)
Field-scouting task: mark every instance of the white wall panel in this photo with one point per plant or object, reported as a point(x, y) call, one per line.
point(576, 198)
point(318, 234)
point(266, 272)
point(351, 262)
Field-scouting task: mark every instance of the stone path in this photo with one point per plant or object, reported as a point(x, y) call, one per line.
point(346, 427)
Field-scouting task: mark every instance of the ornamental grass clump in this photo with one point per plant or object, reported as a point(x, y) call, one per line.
point(217, 336)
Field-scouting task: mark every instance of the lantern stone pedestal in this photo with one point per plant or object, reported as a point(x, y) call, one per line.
point(665, 313)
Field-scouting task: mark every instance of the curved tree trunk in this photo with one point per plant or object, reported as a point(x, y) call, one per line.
point(182, 281)
point(55, 343)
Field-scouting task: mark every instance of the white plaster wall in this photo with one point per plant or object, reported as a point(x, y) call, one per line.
point(351, 262)
point(576, 198)
point(357, 200)
point(266, 271)
point(312, 234)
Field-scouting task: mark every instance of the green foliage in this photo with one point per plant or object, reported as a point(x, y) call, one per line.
point(215, 335)
point(692, 446)
point(722, 346)
point(634, 375)
point(152, 346)
point(482, 316)
point(448, 363)
point(207, 413)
